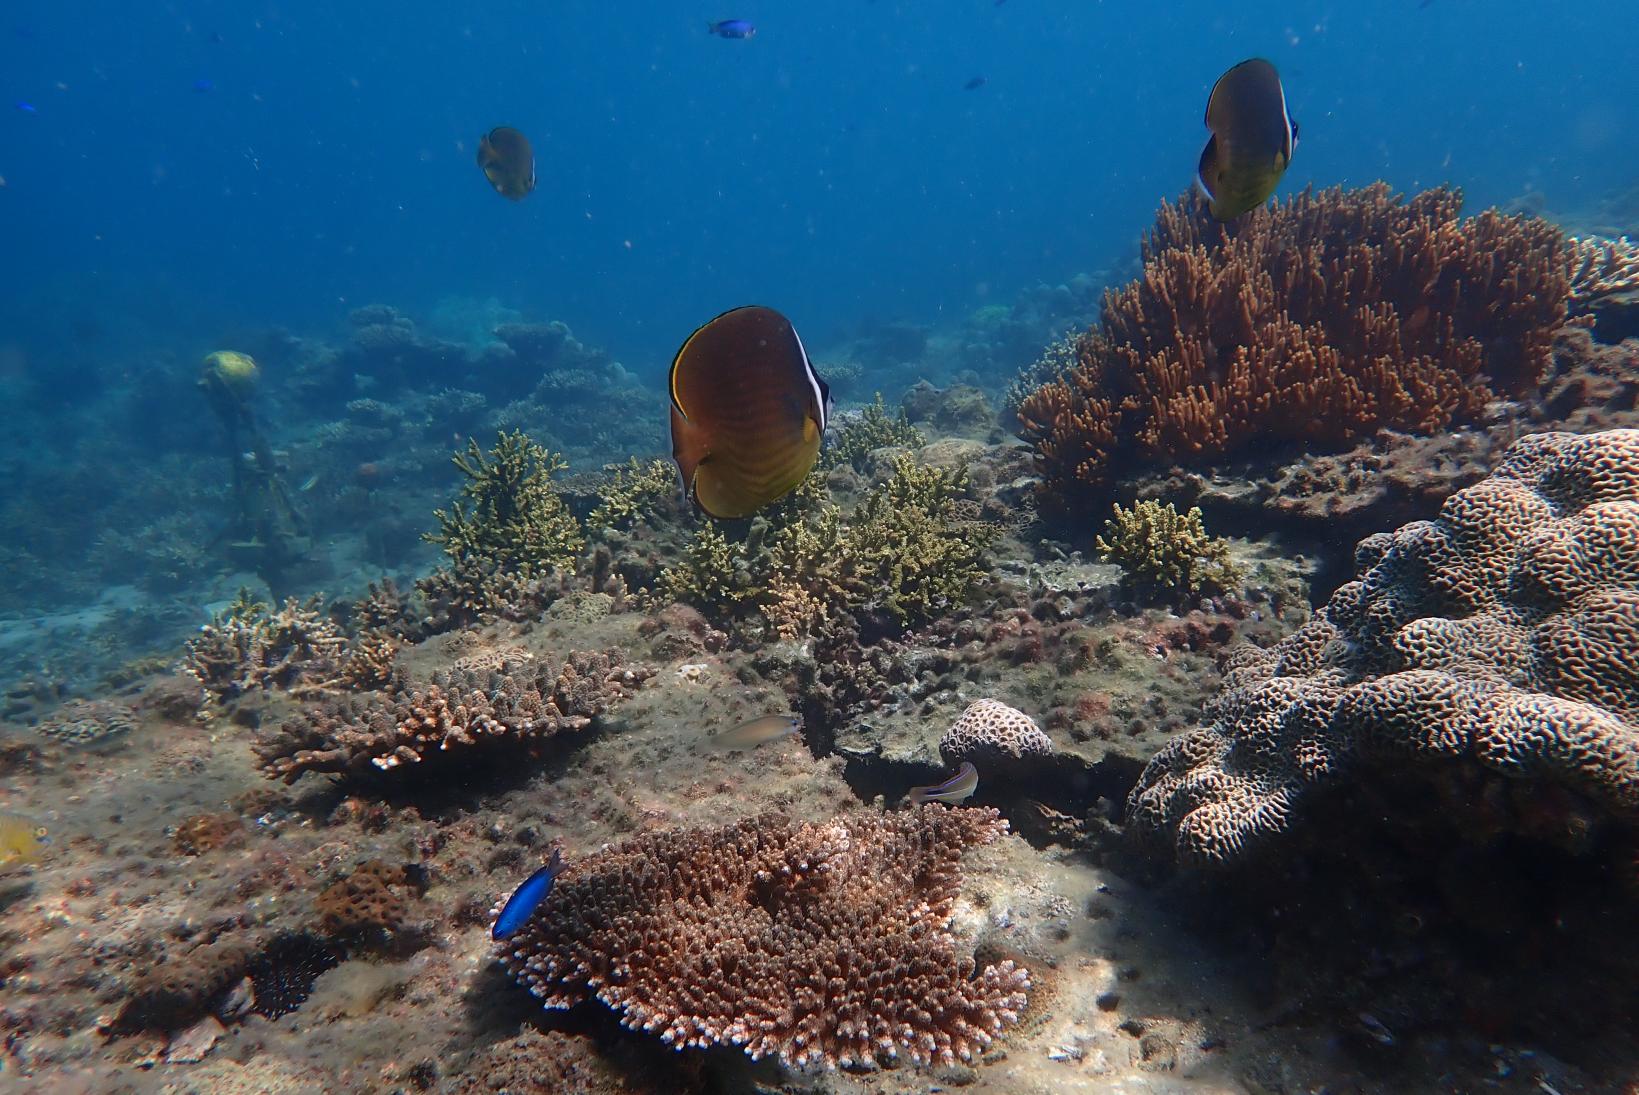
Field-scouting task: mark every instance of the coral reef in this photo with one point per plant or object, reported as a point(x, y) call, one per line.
point(508, 515)
point(823, 944)
point(636, 492)
point(248, 648)
point(88, 722)
point(1497, 639)
point(1164, 553)
point(857, 434)
point(1316, 321)
point(990, 730)
point(461, 715)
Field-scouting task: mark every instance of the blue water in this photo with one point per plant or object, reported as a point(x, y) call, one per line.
point(832, 166)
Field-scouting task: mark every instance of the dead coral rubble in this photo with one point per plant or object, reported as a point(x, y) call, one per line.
point(463, 714)
point(1316, 321)
point(1500, 638)
point(824, 944)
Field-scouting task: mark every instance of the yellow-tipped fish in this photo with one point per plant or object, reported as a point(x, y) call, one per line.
point(508, 162)
point(1252, 139)
point(955, 789)
point(21, 842)
point(749, 735)
point(748, 412)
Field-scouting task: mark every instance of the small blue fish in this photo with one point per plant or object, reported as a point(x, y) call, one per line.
point(526, 898)
point(203, 85)
point(732, 28)
point(26, 108)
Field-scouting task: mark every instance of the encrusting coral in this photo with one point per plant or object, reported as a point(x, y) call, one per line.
point(1499, 639)
point(88, 722)
point(1166, 553)
point(1316, 321)
point(822, 944)
point(464, 714)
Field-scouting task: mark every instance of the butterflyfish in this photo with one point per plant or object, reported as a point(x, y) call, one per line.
point(748, 412)
point(1252, 139)
point(508, 162)
point(953, 790)
point(749, 735)
point(527, 898)
point(21, 842)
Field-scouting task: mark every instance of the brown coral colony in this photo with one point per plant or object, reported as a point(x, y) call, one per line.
point(822, 944)
point(1317, 320)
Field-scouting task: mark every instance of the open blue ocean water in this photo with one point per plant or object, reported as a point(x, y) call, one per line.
point(186, 167)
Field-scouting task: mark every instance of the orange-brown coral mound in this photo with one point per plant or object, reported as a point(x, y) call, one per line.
point(824, 944)
point(1315, 321)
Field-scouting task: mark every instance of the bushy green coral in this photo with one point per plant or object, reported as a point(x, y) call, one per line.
point(509, 515)
point(866, 432)
point(637, 492)
point(1165, 553)
point(911, 548)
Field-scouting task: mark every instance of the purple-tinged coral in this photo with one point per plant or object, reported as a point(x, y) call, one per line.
point(822, 944)
point(1502, 637)
point(463, 715)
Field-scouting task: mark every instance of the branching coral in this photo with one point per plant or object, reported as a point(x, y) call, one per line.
point(248, 648)
point(509, 514)
point(1165, 553)
point(820, 944)
point(637, 492)
point(911, 548)
point(1496, 641)
point(1602, 270)
point(1316, 321)
point(465, 714)
point(860, 434)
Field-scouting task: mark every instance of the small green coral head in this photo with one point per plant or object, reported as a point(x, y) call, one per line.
point(1165, 552)
point(231, 370)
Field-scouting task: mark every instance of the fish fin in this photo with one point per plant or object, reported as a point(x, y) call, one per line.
point(688, 448)
point(1293, 147)
point(715, 496)
point(1208, 168)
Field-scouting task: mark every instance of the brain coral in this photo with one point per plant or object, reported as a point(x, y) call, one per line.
point(825, 944)
point(991, 730)
point(464, 713)
point(1502, 636)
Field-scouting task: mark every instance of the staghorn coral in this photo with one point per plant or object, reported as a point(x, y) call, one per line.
point(636, 492)
point(822, 944)
point(1316, 321)
point(88, 722)
point(509, 515)
point(858, 434)
point(248, 648)
point(462, 715)
point(1165, 553)
point(1498, 639)
point(990, 730)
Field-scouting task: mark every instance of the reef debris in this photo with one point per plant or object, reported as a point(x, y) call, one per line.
point(822, 944)
point(1498, 639)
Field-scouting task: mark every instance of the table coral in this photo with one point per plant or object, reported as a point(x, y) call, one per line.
point(822, 944)
point(1315, 321)
point(464, 714)
point(1500, 638)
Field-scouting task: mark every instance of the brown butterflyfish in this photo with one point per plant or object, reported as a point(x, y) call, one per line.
point(508, 162)
point(1252, 139)
point(748, 412)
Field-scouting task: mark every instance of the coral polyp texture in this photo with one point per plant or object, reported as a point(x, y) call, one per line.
point(462, 715)
point(1502, 636)
point(990, 730)
point(822, 944)
point(1315, 321)
point(88, 722)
